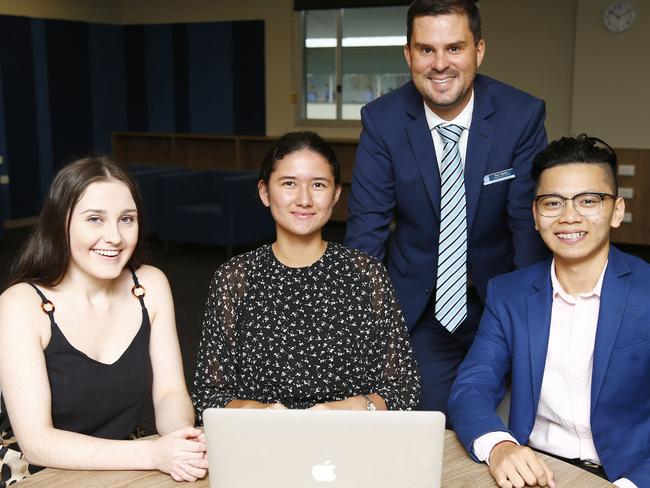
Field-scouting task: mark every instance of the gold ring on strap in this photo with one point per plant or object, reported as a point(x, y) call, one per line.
point(47, 307)
point(138, 291)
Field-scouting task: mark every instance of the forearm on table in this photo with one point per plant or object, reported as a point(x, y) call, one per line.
point(240, 403)
point(174, 411)
point(484, 444)
point(68, 450)
point(357, 402)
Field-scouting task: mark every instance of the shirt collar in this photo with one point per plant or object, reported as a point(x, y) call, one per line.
point(463, 119)
point(558, 290)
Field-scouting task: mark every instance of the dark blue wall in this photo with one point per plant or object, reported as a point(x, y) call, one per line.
point(17, 60)
point(248, 76)
point(65, 86)
point(42, 100)
point(68, 79)
point(212, 101)
point(107, 83)
point(4, 189)
point(135, 71)
point(160, 110)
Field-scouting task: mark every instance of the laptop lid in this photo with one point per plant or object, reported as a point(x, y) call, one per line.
point(250, 448)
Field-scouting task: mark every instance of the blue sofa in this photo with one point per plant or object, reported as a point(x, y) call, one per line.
point(218, 208)
point(146, 177)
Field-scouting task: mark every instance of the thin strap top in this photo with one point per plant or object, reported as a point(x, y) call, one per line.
point(91, 397)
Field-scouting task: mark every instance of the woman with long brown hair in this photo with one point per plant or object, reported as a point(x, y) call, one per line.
point(87, 333)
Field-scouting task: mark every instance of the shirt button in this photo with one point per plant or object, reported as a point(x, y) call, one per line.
point(427, 291)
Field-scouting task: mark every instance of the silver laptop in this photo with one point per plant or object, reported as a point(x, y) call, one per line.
point(322, 449)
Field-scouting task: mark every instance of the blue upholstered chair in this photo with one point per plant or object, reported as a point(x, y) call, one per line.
point(218, 208)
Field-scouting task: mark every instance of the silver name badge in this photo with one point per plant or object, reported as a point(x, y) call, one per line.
point(505, 174)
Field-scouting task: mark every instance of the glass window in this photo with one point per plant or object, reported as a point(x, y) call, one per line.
point(350, 57)
point(320, 64)
point(373, 55)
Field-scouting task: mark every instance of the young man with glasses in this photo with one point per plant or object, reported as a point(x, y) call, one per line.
point(572, 333)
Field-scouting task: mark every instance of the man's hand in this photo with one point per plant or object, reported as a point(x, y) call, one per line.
point(514, 466)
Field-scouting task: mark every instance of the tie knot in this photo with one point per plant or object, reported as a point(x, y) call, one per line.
point(449, 132)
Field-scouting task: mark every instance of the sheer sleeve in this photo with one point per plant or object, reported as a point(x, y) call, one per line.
point(216, 380)
point(394, 374)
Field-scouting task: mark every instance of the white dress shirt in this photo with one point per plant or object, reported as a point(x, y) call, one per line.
point(463, 119)
point(563, 421)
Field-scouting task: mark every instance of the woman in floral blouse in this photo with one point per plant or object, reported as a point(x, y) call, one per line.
point(302, 322)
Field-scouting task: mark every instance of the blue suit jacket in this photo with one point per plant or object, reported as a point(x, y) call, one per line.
point(513, 338)
point(396, 171)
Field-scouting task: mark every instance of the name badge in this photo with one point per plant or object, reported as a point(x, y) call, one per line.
point(492, 178)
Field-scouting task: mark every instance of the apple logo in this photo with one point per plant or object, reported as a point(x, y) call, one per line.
point(324, 472)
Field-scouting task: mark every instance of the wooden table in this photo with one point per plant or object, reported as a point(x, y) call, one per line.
point(459, 471)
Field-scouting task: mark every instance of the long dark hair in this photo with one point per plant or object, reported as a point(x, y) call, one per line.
point(45, 257)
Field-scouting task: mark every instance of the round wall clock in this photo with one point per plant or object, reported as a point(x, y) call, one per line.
point(619, 16)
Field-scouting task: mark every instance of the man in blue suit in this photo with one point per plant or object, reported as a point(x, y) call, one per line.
point(573, 333)
point(459, 220)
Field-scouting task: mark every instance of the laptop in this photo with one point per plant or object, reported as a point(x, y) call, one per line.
point(250, 448)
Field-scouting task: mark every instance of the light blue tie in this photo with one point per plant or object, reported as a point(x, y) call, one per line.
point(451, 286)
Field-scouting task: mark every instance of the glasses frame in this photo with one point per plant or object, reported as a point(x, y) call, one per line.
point(600, 195)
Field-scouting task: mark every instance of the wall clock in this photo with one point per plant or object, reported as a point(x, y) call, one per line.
point(619, 16)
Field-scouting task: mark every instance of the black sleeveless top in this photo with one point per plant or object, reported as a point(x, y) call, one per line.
point(93, 398)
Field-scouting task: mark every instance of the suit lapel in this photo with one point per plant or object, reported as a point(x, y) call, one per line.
point(612, 305)
point(538, 310)
point(421, 143)
point(478, 149)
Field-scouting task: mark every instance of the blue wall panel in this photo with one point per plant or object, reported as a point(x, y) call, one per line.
point(21, 155)
point(5, 210)
point(135, 69)
point(160, 78)
point(181, 78)
point(3, 137)
point(211, 93)
point(107, 86)
point(68, 68)
point(66, 86)
point(42, 98)
point(249, 111)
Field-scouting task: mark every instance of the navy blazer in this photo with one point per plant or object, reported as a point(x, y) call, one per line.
point(396, 171)
point(513, 338)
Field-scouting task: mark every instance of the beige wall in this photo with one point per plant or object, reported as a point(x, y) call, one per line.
point(558, 50)
point(611, 91)
point(530, 45)
point(106, 11)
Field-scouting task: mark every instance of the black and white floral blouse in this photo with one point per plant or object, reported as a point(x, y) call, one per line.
point(302, 336)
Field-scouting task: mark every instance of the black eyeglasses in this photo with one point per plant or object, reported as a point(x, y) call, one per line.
point(586, 204)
